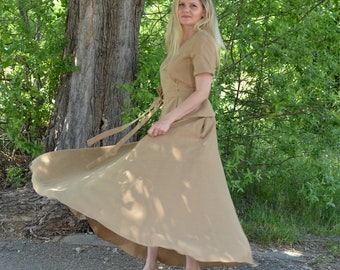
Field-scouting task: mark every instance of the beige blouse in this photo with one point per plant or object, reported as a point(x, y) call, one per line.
point(197, 55)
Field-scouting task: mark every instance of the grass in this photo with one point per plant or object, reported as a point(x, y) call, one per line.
point(264, 224)
point(334, 247)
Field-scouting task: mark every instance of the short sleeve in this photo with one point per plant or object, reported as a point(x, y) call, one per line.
point(204, 55)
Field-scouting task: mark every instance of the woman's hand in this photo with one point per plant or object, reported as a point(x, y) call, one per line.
point(159, 128)
point(191, 103)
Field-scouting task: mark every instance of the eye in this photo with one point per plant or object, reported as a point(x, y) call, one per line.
point(193, 6)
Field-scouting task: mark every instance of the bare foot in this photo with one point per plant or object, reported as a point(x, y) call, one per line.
point(151, 267)
point(151, 259)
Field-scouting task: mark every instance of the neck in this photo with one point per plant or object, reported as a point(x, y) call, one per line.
point(188, 33)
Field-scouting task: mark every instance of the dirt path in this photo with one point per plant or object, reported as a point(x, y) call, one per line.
point(33, 232)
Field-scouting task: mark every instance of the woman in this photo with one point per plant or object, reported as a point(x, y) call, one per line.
point(164, 198)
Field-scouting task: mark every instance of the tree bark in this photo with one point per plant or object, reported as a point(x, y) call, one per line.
point(103, 42)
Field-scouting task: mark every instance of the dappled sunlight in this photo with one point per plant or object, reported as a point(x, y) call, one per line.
point(186, 203)
point(159, 207)
point(65, 184)
point(134, 193)
point(141, 189)
point(45, 159)
point(135, 184)
point(130, 208)
point(177, 154)
point(187, 184)
point(129, 175)
point(58, 189)
point(146, 192)
point(293, 253)
point(44, 162)
point(76, 60)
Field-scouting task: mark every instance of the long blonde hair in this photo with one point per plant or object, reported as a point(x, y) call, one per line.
point(209, 23)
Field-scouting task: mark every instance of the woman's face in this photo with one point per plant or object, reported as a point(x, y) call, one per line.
point(190, 12)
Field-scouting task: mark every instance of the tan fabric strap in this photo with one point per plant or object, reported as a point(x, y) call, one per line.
point(143, 119)
point(109, 133)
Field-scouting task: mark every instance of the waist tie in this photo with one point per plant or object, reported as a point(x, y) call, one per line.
point(156, 104)
point(142, 120)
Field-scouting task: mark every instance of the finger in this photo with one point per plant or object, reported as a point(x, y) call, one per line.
point(151, 131)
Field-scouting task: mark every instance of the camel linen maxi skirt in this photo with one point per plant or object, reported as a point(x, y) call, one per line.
point(168, 191)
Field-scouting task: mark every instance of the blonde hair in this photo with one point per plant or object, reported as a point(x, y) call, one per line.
point(209, 23)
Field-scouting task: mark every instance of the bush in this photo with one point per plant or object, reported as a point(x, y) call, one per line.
point(32, 42)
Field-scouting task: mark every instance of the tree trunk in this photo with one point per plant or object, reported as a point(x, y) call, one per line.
point(103, 41)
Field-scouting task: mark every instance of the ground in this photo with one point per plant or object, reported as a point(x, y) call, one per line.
point(26, 215)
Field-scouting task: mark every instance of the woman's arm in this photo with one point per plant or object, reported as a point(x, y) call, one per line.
point(203, 84)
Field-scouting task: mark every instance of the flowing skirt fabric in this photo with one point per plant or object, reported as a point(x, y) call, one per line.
point(168, 191)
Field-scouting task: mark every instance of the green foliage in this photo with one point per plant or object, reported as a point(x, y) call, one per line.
point(266, 225)
point(276, 97)
point(150, 55)
point(277, 103)
point(15, 176)
point(334, 247)
point(31, 44)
